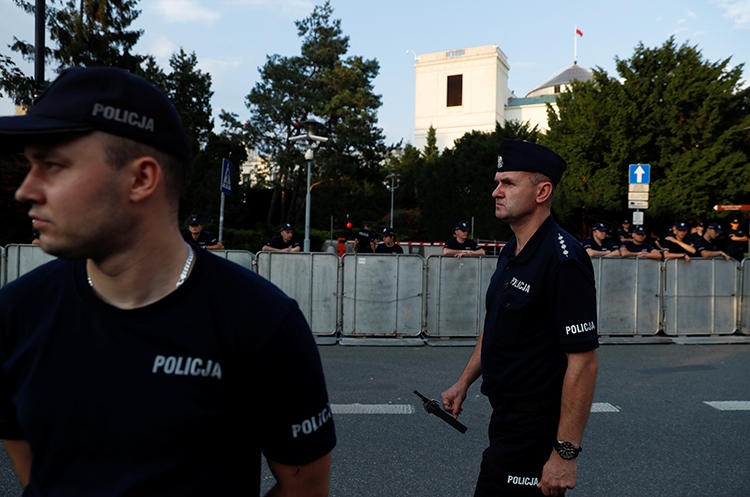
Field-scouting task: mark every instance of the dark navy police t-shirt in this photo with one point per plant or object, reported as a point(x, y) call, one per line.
point(177, 398)
point(467, 244)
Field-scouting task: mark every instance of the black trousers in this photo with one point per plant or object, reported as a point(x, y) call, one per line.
point(521, 440)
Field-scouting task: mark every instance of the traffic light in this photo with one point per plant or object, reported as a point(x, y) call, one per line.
point(348, 222)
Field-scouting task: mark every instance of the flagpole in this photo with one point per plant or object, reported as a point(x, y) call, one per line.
point(575, 45)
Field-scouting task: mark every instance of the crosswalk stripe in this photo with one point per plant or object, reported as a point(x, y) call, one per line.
point(372, 408)
point(729, 405)
point(604, 407)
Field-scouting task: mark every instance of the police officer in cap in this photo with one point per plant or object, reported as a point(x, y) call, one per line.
point(537, 353)
point(284, 241)
point(705, 246)
point(736, 240)
point(364, 243)
point(461, 245)
point(598, 244)
point(389, 245)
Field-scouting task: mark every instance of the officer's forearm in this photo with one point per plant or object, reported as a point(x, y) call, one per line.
point(473, 368)
point(577, 395)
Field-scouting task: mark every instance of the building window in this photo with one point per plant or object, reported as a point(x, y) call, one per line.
point(557, 89)
point(455, 90)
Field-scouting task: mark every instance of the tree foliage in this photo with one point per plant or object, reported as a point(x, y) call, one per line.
point(669, 107)
point(324, 82)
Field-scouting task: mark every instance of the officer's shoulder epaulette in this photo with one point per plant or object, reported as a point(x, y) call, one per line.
point(566, 246)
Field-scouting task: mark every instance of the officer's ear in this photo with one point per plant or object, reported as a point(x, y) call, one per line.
point(544, 190)
point(146, 175)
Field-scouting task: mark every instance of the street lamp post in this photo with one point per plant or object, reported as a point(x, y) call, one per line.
point(312, 140)
point(392, 187)
point(309, 154)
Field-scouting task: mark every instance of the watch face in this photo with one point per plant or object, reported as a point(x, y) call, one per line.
point(567, 450)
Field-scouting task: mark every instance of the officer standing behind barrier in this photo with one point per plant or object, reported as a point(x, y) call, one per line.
point(134, 364)
point(389, 245)
point(599, 244)
point(460, 245)
point(197, 235)
point(285, 241)
point(364, 243)
point(639, 247)
point(536, 354)
point(705, 247)
point(736, 240)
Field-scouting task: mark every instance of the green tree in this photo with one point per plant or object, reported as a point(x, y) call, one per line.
point(670, 108)
point(83, 33)
point(322, 81)
point(431, 151)
point(458, 185)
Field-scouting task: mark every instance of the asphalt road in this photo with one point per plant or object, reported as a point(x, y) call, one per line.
point(660, 438)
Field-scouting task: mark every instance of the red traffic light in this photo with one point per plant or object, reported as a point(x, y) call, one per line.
point(348, 224)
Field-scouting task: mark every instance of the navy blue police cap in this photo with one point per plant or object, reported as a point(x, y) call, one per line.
point(388, 232)
point(714, 226)
point(639, 230)
point(599, 227)
point(194, 221)
point(517, 155)
point(107, 99)
point(681, 226)
point(286, 227)
point(461, 225)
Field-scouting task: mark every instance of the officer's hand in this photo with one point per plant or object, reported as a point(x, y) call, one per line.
point(558, 475)
point(453, 399)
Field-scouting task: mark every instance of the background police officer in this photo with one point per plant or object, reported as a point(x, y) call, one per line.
point(364, 243)
point(599, 244)
point(536, 354)
point(284, 241)
point(461, 244)
point(389, 245)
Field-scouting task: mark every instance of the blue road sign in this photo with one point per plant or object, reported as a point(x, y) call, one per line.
point(640, 174)
point(226, 176)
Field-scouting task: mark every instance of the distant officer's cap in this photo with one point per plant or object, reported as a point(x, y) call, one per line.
point(194, 221)
point(461, 225)
point(715, 226)
point(699, 225)
point(681, 226)
point(107, 99)
point(639, 230)
point(388, 232)
point(735, 221)
point(517, 155)
point(599, 227)
point(286, 227)
point(627, 221)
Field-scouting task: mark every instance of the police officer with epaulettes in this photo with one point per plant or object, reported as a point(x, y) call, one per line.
point(536, 354)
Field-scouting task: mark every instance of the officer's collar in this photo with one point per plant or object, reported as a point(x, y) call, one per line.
point(531, 247)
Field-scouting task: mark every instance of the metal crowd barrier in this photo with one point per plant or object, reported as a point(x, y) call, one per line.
point(456, 289)
point(22, 258)
point(700, 297)
point(744, 325)
point(383, 295)
point(628, 296)
point(444, 297)
point(243, 258)
point(311, 279)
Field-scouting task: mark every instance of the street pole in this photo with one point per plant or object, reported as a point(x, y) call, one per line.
point(309, 157)
point(221, 218)
point(39, 33)
point(392, 188)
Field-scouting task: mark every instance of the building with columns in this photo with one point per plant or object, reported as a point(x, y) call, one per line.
point(458, 91)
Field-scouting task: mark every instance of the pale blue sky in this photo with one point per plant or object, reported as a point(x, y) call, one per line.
point(232, 37)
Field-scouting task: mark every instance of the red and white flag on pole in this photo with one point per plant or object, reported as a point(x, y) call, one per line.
point(579, 32)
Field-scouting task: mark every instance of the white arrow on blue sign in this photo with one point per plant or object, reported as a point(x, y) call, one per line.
point(640, 174)
point(226, 176)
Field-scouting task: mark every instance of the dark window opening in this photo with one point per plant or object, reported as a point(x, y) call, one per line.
point(455, 90)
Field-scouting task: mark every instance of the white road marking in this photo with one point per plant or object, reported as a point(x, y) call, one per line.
point(604, 407)
point(729, 405)
point(358, 408)
point(372, 408)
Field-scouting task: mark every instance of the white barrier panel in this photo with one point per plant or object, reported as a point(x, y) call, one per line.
point(383, 295)
point(628, 294)
point(456, 290)
point(309, 278)
point(240, 257)
point(700, 297)
point(745, 298)
point(20, 259)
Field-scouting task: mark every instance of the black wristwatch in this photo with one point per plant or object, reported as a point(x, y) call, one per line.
point(567, 450)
